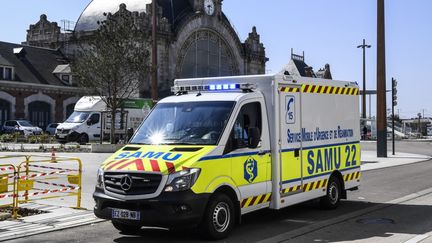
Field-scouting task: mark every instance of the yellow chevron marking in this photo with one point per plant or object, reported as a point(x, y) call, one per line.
point(248, 201)
point(267, 198)
point(258, 199)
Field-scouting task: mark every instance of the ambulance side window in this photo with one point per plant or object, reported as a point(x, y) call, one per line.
point(248, 117)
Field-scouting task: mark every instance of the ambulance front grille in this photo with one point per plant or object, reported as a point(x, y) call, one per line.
point(141, 183)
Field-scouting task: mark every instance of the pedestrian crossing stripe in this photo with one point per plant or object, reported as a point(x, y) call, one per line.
point(320, 89)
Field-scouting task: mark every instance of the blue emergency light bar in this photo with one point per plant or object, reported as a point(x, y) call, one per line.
point(212, 87)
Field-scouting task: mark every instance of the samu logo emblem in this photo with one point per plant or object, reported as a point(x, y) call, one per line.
point(290, 109)
point(250, 170)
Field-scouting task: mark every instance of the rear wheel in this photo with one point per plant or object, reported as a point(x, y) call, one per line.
point(126, 228)
point(333, 195)
point(219, 218)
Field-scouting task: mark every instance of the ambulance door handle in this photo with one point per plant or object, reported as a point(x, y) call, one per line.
point(261, 153)
point(296, 153)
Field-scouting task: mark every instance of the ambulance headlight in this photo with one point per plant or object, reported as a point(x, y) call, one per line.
point(99, 179)
point(182, 180)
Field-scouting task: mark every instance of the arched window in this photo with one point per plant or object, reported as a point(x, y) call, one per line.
point(5, 108)
point(206, 54)
point(40, 113)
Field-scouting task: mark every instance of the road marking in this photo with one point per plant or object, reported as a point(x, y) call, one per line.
point(326, 223)
point(417, 239)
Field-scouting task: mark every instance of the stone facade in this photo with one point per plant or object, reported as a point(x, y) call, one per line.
point(183, 27)
point(45, 34)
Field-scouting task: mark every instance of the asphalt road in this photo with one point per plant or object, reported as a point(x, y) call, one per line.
point(377, 189)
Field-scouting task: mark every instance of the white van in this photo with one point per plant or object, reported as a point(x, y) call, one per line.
point(91, 118)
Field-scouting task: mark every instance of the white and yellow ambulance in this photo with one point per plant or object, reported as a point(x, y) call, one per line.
point(223, 147)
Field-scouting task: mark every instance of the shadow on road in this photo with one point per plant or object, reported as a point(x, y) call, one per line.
point(255, 226)
point(400, 220)
point(391, 219)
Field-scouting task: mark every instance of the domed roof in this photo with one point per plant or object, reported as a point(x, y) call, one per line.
point(94, 12)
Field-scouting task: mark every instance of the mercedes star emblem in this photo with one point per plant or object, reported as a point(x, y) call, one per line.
point(126, 183)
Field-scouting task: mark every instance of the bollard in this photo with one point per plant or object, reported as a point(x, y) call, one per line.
point(53, 156)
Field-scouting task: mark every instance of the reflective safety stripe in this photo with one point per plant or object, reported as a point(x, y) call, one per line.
point(143, 165)
point(306, 187)
point(289, 89)
point(252, 201)
point(320, 184)
point(319, 89)
point(352, 176)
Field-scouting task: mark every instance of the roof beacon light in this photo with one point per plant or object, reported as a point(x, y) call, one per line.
point(213, 87)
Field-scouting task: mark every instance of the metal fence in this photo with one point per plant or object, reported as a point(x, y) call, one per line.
point(36, 177)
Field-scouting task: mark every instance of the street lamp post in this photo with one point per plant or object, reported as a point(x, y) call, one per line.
point(364, 46)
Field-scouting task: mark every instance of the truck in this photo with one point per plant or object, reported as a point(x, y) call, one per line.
point(224, 147)
point(91, 119)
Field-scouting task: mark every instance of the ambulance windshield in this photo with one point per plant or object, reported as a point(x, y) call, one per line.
point(189, 123)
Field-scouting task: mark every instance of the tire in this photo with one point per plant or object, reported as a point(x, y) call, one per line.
point(83, 139)
point(127, 229)
point(219, 218)
point(333, 194)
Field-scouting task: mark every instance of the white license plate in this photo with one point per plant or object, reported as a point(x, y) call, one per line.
point(61, 135)
point(125, 214)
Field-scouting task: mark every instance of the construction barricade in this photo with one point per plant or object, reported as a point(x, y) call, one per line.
point(36, 178)
point(8, 188)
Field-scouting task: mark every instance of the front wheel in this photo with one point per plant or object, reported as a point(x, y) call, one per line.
point(126, 228)
point(83, 139)
point(333, 195)
point(219, 218)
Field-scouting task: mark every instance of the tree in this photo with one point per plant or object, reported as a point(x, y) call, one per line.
point(114, 62)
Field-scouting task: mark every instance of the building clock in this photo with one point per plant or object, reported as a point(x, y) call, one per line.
point(209, 7)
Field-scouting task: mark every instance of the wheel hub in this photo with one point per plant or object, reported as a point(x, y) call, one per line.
point(333, 193)
point(221, 217)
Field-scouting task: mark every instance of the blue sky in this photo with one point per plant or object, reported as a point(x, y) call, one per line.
point(328, 31)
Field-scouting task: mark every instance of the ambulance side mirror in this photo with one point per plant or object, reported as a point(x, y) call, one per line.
point(254, 137)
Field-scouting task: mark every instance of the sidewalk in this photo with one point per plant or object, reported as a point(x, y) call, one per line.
point(370, 161)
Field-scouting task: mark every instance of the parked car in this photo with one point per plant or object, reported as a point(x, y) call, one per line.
point(22, 126)
point(51, 128)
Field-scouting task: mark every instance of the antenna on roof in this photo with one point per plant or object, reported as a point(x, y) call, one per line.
point(67, 26)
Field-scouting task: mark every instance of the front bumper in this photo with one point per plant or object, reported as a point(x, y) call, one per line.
point(71, 137)
point(167, 210)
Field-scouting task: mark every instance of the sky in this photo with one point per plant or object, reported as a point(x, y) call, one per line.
point(327, 31)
